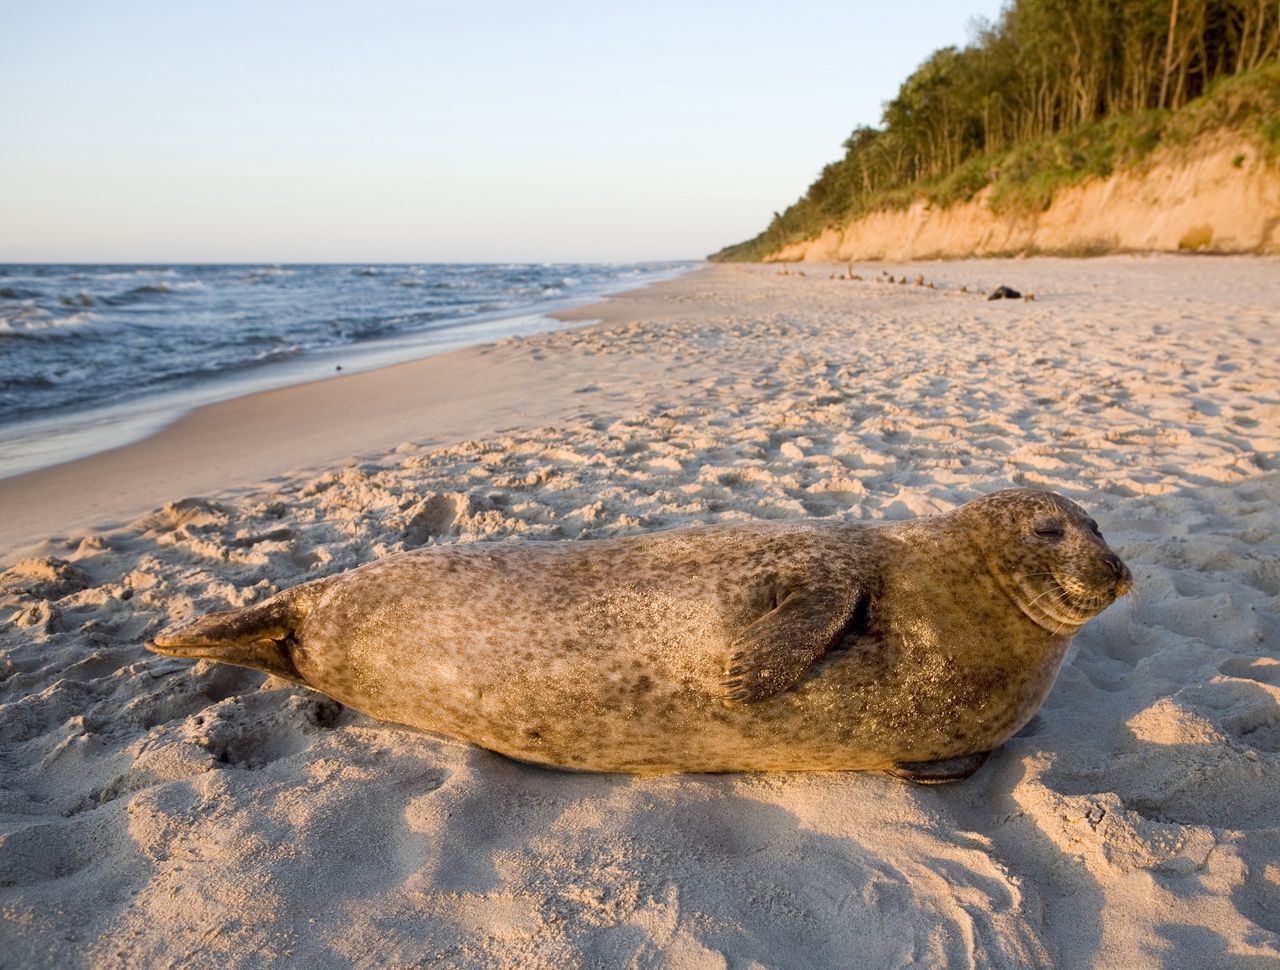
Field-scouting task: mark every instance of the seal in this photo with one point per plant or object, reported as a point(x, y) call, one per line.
point(914, 647)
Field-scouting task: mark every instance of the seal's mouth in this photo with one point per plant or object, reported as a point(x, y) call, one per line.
point(1061, 607)
point(1066, 603)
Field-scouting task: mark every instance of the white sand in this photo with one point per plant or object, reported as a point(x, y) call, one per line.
point(159, 813)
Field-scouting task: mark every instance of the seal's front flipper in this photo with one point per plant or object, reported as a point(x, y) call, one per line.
point(779, 648)
point(260, 637)
point(939, 772)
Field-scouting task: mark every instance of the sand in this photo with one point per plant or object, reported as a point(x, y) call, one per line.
point(156, 812)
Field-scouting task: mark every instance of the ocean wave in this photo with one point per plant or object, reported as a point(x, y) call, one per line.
point(265, 274)
point(149, 290)
point(221, 366)
point(266, 356)
point(151, 328)
point(67, 373)
point(356, 331)
point(33, 321)
point(8, 384)
point(131, 274)
point(249, 338)
point(75, 387)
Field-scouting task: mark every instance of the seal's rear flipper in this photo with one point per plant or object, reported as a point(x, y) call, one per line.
point(938, 772)
point(260, 637)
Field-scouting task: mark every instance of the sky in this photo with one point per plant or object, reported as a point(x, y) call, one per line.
point(280, 131)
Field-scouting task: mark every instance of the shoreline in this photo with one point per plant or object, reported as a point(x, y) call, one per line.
point(43, 440)
point(305, 426)
point(1131, 823)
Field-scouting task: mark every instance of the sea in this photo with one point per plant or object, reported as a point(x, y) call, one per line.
point(96, 356)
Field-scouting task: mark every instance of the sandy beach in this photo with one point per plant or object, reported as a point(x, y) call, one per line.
point(160, 813)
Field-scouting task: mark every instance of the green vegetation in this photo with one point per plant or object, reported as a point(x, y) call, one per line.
point(1055, 92)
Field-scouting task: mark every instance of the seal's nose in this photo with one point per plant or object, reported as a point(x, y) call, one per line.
point(1124, 578)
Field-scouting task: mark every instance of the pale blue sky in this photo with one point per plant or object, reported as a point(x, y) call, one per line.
point(398, 131)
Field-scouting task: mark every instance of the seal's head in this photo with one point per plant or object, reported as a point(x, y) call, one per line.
point(1048, 556)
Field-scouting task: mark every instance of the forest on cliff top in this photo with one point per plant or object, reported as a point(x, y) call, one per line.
point(1052, 92)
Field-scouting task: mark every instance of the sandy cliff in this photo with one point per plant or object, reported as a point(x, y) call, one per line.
point(1219, 197)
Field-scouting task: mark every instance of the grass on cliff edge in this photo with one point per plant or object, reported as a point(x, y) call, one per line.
point(1025, 178)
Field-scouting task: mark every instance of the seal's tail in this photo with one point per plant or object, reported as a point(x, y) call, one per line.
point(260, 636)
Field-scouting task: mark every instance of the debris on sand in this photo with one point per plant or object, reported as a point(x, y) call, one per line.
point(1004, 293)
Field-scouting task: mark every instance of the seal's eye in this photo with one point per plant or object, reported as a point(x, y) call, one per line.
point(1049, 530)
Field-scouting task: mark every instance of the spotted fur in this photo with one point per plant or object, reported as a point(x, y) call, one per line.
point(763, 646)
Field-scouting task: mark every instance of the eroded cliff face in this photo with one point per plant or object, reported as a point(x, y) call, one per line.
point(1216, 197)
